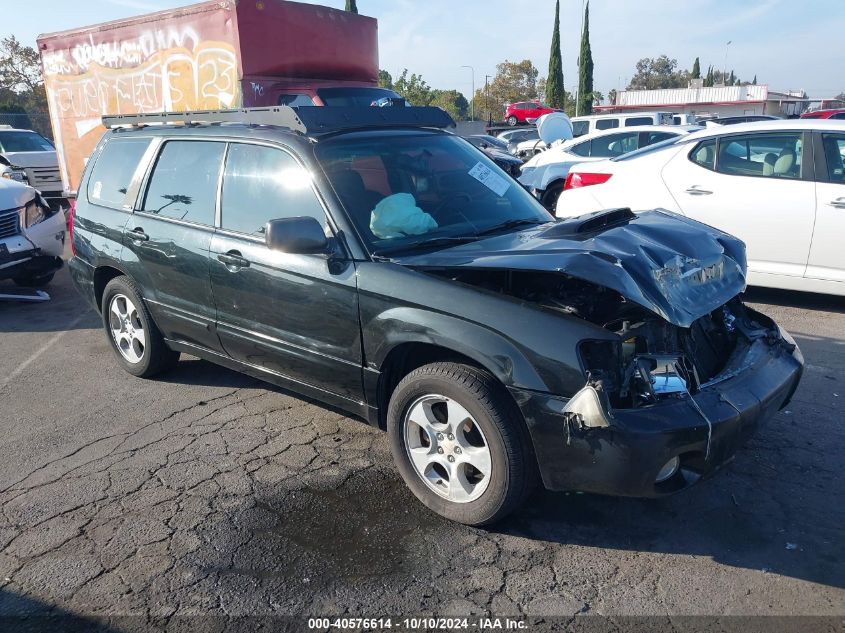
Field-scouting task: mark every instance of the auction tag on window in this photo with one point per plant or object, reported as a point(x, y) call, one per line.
point(493, 181)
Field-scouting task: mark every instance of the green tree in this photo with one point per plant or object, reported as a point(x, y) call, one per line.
point(658, 72)
point(598, 97)
point(21, 85)
point(385, 80)
point(585, 68)
point(696, 69)
point(452, 101)
point(554, 84)
point(414, 88)
point(611, 97)
point(351, 6)
point(754, 81)
point(514, 81)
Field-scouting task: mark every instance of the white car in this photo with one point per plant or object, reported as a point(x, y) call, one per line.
point(777, 185)
point(546, 172)
point(28, 157)
point(32, 235)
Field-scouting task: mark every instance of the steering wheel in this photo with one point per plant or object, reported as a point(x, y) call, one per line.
point(448, 199)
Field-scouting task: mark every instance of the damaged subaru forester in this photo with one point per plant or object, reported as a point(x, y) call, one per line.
point(373, 261)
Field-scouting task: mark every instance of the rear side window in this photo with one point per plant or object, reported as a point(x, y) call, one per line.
point(639, 120)
point(184, 181)
point(704, 154)
point(655, 137)
point(264, 183)
point(607, 124)
point(114, 169)
point(581, 149)
point(834, 153)
point(580, 128)
point(770, 155)
point(614, 145)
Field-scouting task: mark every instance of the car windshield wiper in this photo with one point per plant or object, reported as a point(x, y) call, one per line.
point(429, 243)
point(510, 224)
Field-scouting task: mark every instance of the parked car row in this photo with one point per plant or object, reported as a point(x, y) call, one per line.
point(777, 185)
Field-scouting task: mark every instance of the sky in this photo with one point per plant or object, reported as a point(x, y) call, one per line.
point(788, 44)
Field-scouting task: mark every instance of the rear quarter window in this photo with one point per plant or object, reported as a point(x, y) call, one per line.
point(114, 169)
point(639, 120)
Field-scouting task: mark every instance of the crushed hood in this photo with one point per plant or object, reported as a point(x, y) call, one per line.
point(33, 159)
point(678, 268)
point(14, 194)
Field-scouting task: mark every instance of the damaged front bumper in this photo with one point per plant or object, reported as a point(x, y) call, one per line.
point(627, 452)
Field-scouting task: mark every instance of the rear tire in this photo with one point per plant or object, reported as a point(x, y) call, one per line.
point(137, 343)
point(512, 120)
point(443, 420)
point(550, 196)
point(39, 281)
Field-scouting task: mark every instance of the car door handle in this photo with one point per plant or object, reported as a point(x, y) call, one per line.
point(137, 234)
point(839, 203)
point(233, 259)
point(696, 191)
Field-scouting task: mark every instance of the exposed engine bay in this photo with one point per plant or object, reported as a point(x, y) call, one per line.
point(653, 359)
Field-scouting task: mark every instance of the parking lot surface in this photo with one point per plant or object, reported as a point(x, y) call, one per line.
point(207, 492)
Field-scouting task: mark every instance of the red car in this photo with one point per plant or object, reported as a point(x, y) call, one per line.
point(835, 113)
point(526, 112)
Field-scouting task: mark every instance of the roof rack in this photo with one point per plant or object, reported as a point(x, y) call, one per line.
point(281, 116)
point(308, 120)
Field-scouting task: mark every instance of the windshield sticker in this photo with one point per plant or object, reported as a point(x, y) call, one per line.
point(489, 179)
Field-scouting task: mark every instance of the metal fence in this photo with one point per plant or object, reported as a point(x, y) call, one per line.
point(38, 121)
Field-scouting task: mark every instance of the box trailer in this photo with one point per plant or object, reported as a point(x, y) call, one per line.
point(215, 54)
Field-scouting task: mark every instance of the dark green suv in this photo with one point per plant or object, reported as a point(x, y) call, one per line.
point(372, 260)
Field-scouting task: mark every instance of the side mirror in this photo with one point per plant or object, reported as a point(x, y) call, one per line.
point(302, 235)
point(484, 145)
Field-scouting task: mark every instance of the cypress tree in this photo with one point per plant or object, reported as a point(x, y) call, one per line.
point(696, 69)
point(351, 6)
point(555, 94)
point(585, 69)
point(754, 82)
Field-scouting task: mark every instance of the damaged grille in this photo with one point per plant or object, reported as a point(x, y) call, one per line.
point(9, 223)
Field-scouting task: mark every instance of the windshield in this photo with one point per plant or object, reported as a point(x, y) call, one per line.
point(20, 141)
point(411, 189)
point(354, 97)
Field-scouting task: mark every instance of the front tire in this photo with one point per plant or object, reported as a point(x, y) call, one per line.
point(460, 443)
point(137, 343)
point(39, 281)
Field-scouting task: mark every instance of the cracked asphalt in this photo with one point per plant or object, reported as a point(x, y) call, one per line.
point(208, 493)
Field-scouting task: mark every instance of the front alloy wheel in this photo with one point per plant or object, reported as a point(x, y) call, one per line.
point(447, 448)
point(460, 442)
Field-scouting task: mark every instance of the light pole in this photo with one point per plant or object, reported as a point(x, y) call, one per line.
point(471, 106)
point(487, 98)
point(725, 69)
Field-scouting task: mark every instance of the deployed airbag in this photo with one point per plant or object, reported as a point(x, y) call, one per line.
point(398, 215)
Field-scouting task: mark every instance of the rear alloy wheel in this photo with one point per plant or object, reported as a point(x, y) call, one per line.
point(512, 120)
point(460, 443)
point(137, 342)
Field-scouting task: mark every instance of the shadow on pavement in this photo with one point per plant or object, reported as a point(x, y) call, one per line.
point(24, 614)
point(795, 299)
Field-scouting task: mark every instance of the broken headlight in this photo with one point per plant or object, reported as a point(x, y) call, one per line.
point(32, 214)
point(13, 173)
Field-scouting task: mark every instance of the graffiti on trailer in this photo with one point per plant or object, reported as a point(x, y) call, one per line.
point(160, 70)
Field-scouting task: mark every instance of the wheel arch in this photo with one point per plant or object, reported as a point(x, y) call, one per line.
point(102, 276)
